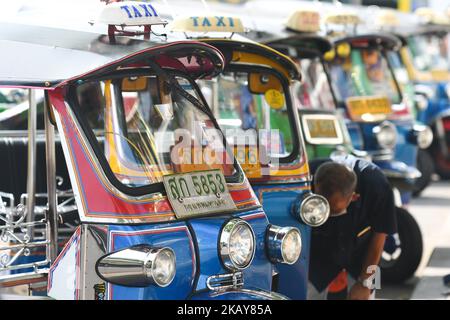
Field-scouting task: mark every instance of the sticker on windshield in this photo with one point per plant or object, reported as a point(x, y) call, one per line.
point(198, 193)
point(274, 98)
point(322, 129)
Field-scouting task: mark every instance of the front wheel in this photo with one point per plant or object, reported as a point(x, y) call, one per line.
point(426, 168)
point(403, 251)
point(442, 165)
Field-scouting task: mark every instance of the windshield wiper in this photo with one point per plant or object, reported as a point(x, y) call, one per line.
point(174, 84)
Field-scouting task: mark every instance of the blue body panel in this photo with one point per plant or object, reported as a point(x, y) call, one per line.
point(207, 231)
point(179, 240)
point(278, 201)
point(195, 243)
point(440, 104)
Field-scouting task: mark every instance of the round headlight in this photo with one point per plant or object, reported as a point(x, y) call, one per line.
point(386, 135)
point(314, 210)
point(424, 136)
point(284, 244)
point(138, 266)
point(421, 102)
point(237, 244)
point(161, 267)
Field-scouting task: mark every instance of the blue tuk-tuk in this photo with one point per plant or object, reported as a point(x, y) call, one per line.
point(425, 54)
point(251, 99)
point(165, 211)
point(390, 138)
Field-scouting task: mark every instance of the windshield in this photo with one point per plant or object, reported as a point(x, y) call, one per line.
point(402, 77)
point(364, 73)
point(429, 52)
point(151, 126)
point(314, 92)
point(251, 108)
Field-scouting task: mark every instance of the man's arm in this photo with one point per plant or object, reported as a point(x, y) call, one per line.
point(373, 256)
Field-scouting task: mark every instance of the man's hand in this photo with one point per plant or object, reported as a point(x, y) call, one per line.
point(359, 292)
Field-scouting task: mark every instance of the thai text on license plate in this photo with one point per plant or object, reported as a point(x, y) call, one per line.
point(198, 193)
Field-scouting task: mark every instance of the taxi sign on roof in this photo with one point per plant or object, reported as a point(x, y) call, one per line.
point(387, 18)
point(130, 13)
point(343, 18)
point(430, 16)
point(216, 23)
point(304, 21)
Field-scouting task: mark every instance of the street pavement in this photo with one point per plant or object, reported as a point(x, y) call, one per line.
point(432, 212)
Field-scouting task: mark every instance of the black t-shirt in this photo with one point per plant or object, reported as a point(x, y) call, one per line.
point(336, 245)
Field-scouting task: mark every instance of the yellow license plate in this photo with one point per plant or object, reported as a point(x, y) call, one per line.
point(363, 108)
point(440, 75)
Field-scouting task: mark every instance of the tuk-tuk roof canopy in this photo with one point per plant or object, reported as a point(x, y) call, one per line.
point(385, 40)
point(43, 57)
point(302, 41)
point(226, 46)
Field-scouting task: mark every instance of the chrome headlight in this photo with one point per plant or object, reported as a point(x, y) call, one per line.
point(314, 210)
point(237, 244)
point(138, 266)
point(386, 135)
point(284, 244)
point(424, 136)
point(421, 102)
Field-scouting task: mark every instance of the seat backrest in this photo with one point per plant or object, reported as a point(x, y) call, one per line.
point(13, 165)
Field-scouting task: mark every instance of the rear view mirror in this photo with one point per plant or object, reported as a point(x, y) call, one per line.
point(134, 84)
point(260, 83)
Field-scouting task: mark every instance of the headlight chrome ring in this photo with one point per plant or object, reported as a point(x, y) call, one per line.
point(314, 210)
point(284, 244)
point(424, 136)
point(386, 134)
point(237, 244)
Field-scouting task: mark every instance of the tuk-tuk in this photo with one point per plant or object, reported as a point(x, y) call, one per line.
point(381, 123)
point(165, 210)
point(251, 99)
point(425, 55)
point(321, 115)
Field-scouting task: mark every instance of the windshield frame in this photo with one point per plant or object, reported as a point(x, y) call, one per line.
point(157, 187)
point(382, 51)
point(421, 36)
point(324, 64)
point(297, 149)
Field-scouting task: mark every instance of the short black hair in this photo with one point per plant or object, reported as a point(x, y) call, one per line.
point(332, 177)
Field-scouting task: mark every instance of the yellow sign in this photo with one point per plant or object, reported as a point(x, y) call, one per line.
point(440, 75)
point(304, 21)
point(368, 108)
point(386, 18)
point(329, 55)
point(343, 19)
point(429, 15)
point(207, 24)
point(322, 128)
point(344, 50)
point(274, 98)
point(248, 158)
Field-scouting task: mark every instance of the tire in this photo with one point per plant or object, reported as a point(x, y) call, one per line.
point(426, 167)
point(405, 265)
point(442, 165)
